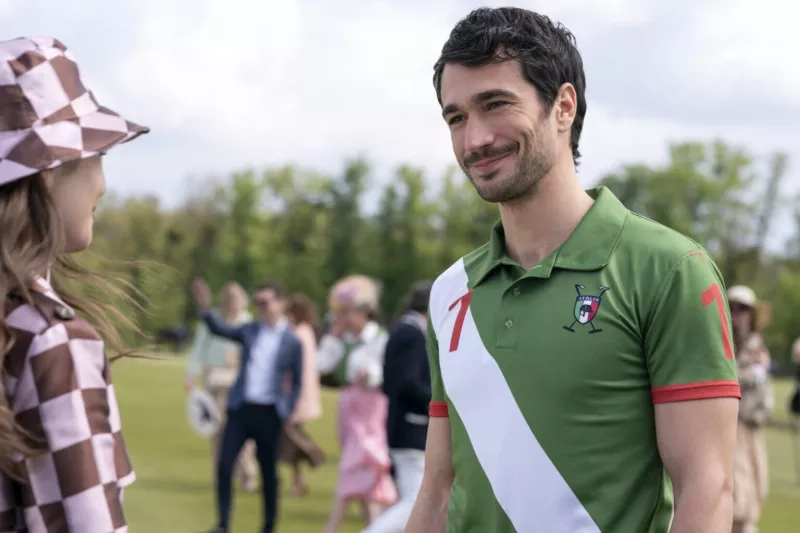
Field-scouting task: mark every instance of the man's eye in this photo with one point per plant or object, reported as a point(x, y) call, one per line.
point(495, 105)
point(454, 120)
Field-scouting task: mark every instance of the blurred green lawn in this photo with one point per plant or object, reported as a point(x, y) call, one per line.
point(173, 490)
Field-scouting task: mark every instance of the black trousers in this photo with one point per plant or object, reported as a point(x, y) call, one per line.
point(262, 424)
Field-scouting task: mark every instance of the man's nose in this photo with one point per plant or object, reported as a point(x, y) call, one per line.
point(478, 135)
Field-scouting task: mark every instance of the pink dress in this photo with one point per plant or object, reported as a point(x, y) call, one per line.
point(364, 467)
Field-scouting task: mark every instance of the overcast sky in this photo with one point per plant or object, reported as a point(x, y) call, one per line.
point(226, 84)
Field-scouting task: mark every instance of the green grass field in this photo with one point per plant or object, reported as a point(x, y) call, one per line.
point(173, 490)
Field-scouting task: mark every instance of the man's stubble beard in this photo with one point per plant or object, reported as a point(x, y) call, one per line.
point(533, 165)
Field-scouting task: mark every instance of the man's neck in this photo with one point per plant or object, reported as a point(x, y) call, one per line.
point(537, 225)
point(271, 322)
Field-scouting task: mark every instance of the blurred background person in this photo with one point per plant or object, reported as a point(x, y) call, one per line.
point(794, 399)
point(213, 364)
point(750, 483)
point(407, 385)
point(353, 352)
point(297, 446)
point(259, 402)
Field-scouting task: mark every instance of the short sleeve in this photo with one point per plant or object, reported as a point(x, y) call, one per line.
point(438, 407)
point(65, 401)
point(688, 336)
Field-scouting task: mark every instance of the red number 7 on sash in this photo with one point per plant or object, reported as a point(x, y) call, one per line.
point(462, 314)
point(714, 294)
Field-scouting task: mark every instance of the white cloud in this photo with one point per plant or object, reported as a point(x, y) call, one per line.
point(226, 84)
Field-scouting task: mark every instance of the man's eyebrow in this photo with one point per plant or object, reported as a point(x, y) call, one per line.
point(480, 98)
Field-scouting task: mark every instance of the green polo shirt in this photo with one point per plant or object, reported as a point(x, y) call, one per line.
point(549, 375)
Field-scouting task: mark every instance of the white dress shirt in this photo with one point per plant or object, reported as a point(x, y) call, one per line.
point(261, 386)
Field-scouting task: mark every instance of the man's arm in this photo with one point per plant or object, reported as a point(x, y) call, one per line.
point(429, 514)
point(403, 368)
point(430, 510)
point(201, 294)
point(413, 388)
point(297, 375)
point(696, 440)
point(219, 328)
point(689, 347)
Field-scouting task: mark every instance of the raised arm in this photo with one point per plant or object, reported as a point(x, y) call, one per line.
point(370, 357)
point(219, 328)
point(330, 352)
point(430, 509)
point(202, 302)
point(689, 347)
point(71, 408)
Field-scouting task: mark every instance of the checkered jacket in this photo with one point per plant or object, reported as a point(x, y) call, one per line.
point(57, 382)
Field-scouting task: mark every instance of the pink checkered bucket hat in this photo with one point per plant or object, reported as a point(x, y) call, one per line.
point(47, 116)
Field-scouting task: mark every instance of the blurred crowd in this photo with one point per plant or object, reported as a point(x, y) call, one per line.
point(380, 369)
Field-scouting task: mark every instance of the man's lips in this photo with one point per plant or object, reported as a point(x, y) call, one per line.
point(483, 163)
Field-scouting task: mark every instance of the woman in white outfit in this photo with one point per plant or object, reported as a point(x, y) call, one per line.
point(750, 481)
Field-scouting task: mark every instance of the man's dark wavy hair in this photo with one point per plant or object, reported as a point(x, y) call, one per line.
point(547, 53)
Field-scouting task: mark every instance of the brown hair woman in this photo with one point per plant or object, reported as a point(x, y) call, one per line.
point(63, 463)
point(297, 446)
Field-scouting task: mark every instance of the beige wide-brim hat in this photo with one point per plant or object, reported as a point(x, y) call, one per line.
point(47, 116)
point(357, 291)
point(746, 296)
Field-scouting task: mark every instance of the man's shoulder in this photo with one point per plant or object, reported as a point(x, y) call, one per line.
point(403, 329)
point(646, 241)
point(291, 337)
point(462, 272)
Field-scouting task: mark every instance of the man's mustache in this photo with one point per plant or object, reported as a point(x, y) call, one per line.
point(490, 152)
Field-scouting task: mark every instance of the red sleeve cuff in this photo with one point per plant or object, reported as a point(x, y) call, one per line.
point(703, 390)
point(438, 410)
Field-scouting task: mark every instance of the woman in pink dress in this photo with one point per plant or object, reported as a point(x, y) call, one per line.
point(352, 352)
point(298, 447)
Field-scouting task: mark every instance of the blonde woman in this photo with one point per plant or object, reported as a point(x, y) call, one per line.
point(298, 447)
point(353, 352)
point(214, 362)
point(750, 482)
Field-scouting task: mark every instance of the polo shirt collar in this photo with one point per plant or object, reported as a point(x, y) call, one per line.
point(589, 247)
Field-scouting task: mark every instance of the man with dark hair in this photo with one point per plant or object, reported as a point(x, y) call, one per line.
point(407, 384)
point(258, 403)
point(582, 371)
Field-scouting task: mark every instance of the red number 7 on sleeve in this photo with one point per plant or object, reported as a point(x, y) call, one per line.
point(459, 324)
point(714, 294)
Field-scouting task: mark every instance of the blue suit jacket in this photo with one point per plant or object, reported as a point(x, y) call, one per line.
point(289, 361)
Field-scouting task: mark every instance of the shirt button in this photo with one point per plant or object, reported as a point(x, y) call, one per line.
point(509, 322)
point(516, 291)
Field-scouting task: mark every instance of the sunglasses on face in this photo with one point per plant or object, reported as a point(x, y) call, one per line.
point(263, 303)
point(739, 308)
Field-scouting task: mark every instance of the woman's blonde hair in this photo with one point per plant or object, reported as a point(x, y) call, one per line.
point(232, 300)
point(31, 243)
point(358, 291)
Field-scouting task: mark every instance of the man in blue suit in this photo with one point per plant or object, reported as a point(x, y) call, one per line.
point(258, 403)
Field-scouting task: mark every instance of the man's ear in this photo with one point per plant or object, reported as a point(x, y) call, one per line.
point(565, 106)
